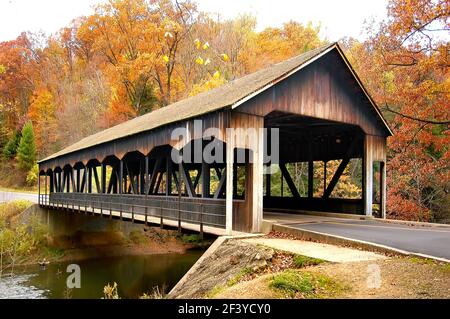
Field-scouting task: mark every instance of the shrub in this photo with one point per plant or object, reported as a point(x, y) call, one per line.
point(111, 292)
point(32, 175)
point(191, 239)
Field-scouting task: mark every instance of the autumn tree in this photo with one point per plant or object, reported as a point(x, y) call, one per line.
point(42, 114)
point(16, 80)
point(405, 66)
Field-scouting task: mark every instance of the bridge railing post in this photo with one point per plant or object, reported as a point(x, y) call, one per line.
point(161, 214)
point(201, 221)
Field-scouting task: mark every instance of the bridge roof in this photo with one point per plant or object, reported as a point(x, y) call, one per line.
point(229, 95)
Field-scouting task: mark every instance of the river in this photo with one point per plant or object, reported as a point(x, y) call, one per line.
point(134, 275)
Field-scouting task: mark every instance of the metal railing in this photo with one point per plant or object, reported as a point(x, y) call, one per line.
point(200, 211)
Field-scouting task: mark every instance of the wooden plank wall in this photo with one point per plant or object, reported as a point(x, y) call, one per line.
point(143, 142)
point(374, 150)
point(320, 90)
point(249, 215)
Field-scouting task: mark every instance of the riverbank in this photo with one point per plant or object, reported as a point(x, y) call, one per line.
point(258, 268)
point(31, 235)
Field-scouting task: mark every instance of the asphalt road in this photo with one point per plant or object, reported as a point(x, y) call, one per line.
point(433, 241)
point(11, 196)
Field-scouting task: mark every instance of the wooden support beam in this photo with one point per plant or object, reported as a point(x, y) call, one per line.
point(112, 181)
point(120, 177)
point(187, 181)
point(168, 176)
point(221, 186)
point(206, 180)
point(229, 186)
point(142, 176)
point(103, 178)
point(158, 182)
point(59, 181)
point(45, 187)
point(64, 177)
point(73, 181)
point(197, 177)
point(146, 179)
point(176, 180)
point(84, 180)
point(52, 185)
point(218, 173)
point(235, 181)
point(268, 182)
point(341, 168)
point(287, 177)
point(97, 182)
point(78, 180)
point(89, 181)
point(153, 177)
point(133, 187)
point(383, 189)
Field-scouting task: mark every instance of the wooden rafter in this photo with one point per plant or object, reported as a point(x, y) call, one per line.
point(289, 181)
point(341, 168)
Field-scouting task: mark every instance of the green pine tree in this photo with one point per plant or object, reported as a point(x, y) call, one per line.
point(26, 152)
point(10, 149)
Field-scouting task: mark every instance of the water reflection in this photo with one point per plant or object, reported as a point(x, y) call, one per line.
point(134, 275)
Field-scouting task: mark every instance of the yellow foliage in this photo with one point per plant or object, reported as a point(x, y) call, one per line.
point(197, 43)
point(199, 61)
point(213, 81)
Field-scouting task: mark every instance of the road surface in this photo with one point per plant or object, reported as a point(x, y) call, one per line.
point(10, 196)
point(429, 240)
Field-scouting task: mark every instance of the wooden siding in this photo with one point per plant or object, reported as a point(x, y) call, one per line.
point(143, 142)
point(325, 90)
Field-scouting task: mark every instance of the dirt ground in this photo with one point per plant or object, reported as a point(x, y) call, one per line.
point(250, 268)
point(400, 278)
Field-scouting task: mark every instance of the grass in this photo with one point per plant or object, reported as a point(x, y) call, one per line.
point(428, 261)
point(215, 291)
point(301, 261)
point(294, 283)
point(245, 271)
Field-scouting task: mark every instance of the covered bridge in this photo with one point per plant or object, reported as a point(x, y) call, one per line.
point(316, 112)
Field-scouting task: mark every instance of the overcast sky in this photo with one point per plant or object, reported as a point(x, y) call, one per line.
point(338, 18)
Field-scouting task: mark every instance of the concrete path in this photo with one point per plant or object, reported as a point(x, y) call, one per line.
point(317, 250)
point(431, 240)
point(11, 196)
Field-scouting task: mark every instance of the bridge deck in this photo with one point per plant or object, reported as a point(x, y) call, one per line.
point(198, 214)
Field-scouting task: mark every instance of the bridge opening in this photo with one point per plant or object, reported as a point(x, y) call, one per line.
point(320, 166)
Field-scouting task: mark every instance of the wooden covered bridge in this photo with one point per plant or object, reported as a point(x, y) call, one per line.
point(314, 109)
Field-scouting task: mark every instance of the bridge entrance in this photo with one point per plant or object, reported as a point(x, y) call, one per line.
point(320, 166)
